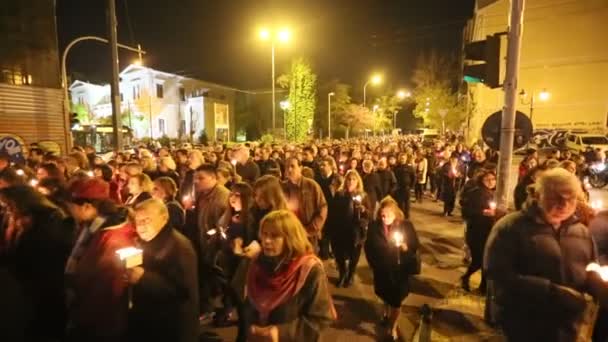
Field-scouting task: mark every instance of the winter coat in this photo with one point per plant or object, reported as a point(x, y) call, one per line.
point(529, 263)
point(351, 227)
point(405, 176)
point(36, 260)
point(99, 307)
point(388, 183)
point(474, 202)
point(311, 204)
point(391, 266)
point(266, 165)
point(305, 315)
point(166, 298)
point(371, 186)
point(176, 214)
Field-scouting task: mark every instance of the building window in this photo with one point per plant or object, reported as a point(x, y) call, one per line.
point(136, 92)
point(182, 94)
point(122, 98)
point(81, 100)
point(159, 91)
point(161, 126)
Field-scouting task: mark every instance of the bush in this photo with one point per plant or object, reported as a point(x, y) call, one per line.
point(164, 141)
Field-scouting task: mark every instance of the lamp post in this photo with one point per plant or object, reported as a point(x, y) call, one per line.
point(329, 114)
point(544, 96)
point(375, 80)
point(284, 106)
point(64, 80)
point(282, 36)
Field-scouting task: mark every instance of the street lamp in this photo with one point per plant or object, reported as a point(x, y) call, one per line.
point(375, 80)
point(64, 79)
point(283, 35)
point(329, 114)
point(543, 95)
point(284, 106)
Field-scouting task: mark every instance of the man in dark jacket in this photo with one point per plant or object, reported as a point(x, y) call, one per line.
point(266, 163)
point(329, 181)
point(371, 185)
point(388, 183)
point(536, 260)
point(405, 176)
point(165, 286)
point(245, 166)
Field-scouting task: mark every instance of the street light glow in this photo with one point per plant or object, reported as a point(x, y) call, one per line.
point(376, 79)
point(544, 95)
point(376, 107)
point(264, 34)
point(138, 62)
point(284, 104)
point(402, 94)
point(284, 35)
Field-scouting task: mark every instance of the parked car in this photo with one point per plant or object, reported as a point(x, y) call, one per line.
point(579, 142)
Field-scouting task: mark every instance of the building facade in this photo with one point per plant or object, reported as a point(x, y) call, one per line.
point(31, 99)
point(564, 52)
point(157, 104)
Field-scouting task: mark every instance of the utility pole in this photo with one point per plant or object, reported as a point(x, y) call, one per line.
point(114, 89)
point(516, 18)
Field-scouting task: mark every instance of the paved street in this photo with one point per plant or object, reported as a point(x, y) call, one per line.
point(457, 316)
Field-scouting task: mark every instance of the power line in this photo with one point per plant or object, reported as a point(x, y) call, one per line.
point(129, 26)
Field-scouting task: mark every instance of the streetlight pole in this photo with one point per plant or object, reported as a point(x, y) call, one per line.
point(329, 114)
point(64, 81)
point(273, 93)
point(365, 94)
point(114, 89)
point(543, 96)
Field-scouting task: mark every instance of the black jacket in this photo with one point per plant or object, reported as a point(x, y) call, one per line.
point(177, 215)
point(37, 261)
point(351, 227)
point(249, 171)
point(391, 266)
point(266, 165)
point(165, 300)
point(388, 183)
point(529, 263)
point(405, 176)
point(371, 185)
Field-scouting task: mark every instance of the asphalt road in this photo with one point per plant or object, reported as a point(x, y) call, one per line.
point(457, 316)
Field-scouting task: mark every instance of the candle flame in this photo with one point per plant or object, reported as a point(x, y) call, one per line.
point(126, 252)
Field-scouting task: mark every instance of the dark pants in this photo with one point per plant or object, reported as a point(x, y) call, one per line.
point(403, 199)
point(419, 191)
point(449, 200)
point(324, 252)
point(344, 252)
point(232, 300)
point(476, 238)
point(432, 179)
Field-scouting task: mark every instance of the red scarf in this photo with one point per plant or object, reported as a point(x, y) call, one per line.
point(267, 291)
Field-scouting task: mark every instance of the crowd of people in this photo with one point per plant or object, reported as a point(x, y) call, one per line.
point(151, 244)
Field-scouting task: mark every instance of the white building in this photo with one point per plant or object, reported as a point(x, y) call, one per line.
point(156, 104)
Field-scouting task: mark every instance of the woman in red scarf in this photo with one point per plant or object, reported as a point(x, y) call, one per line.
point(288, 295)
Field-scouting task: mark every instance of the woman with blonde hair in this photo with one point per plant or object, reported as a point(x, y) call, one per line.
point(288, 294)
point(391, 251)
point(166, 168)
point(347, 233)
point(148, 165)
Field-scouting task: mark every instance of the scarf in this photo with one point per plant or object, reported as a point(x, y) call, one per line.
point(267, 289)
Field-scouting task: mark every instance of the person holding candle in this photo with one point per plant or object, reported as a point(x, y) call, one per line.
point(478, 210)
point(96, 288)
point(450, 174)
point(347, 233)
point(165, 285)
point(288, 294)
point(391, 250)
point(537, 261)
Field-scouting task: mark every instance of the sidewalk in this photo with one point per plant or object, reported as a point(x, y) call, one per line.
point(457, 315)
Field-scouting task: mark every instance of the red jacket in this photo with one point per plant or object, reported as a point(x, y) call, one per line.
point(100, 305)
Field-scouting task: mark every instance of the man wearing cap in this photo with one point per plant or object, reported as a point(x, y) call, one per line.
point(94, 273)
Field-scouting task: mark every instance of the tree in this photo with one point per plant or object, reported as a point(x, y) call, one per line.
point(302, 100)
point(388, 106)
point(83, 113)
point(355, 118)
point(435, 92)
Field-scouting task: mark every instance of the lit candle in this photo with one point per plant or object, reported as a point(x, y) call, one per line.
point(90, 174)
point(601, 270)
point(357, 198)
point(233, 162)
point(131, 256)
point(492, 205)
point(20, 172)
point(398, 238)
point(33, 182)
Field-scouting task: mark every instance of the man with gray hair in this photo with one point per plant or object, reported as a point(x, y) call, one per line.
point(245, 165)
point(536, 260)
point(165, 286)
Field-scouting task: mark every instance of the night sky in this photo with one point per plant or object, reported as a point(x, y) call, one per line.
point(217, 40)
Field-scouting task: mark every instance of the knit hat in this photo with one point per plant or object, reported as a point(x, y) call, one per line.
point(90, 189)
